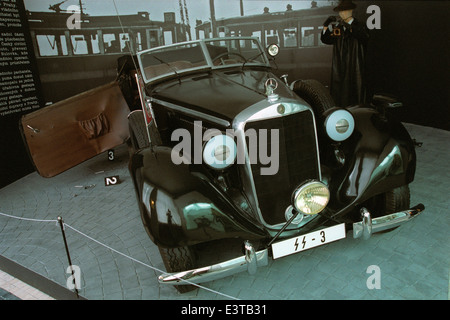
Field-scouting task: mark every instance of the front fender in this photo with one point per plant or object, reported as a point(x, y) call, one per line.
point(180, 207)
point(383, 158)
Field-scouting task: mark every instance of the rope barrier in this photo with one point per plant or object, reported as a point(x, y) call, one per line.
point(27, 219)
point(142, 263)
point(116, 251)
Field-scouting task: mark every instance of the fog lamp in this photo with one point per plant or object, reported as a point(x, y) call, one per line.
point(311, 197)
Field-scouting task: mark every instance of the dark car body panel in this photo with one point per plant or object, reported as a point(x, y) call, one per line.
point(229, 92)
point(191, 208)
point(200, 89)
point(383, 156)
point(379, 156)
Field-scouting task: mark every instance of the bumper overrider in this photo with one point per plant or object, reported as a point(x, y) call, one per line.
point(253, 259)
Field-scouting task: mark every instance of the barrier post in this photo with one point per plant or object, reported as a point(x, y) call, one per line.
point(61, 224)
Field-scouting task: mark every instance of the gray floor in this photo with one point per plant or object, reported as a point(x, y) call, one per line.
point(413, 260)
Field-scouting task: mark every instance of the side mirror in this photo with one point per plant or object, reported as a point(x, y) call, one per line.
point(386, 101)
point(385, 104)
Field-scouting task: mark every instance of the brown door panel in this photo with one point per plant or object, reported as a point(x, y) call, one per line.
point(71, 131)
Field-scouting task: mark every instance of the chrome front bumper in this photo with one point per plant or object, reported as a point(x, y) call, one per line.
point(252, 260)
point(368, 226)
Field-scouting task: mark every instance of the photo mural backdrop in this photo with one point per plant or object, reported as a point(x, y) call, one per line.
point(65, 47)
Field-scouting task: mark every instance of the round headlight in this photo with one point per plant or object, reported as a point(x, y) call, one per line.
point(311, 197)
point(273, 50)
point(220, 152)
point(340, 125)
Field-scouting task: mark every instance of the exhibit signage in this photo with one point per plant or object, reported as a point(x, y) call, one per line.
point(20, 90)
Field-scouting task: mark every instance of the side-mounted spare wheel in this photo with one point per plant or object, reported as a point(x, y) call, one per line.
point(316, 94)
point(138, 134)
point(139, 138)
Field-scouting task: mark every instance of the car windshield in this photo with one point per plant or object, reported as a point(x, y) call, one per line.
point(176, 59)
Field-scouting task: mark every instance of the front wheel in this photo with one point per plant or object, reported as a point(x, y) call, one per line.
point(179, 259)
point(395, 200)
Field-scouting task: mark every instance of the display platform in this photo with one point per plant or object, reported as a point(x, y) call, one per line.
point(117, 260)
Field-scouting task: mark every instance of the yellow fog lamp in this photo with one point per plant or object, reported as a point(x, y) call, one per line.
point(311, 197)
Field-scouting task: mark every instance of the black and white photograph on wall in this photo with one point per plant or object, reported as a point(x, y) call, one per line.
point(222, 150)
point(97, 34)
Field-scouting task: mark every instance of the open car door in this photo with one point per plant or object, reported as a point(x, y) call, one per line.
point(65, 134)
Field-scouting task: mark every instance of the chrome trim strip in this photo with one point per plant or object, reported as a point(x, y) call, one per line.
point(194, 113)
point(207, 56)
point(249, 262)
point(141, 91)
point(272, 111)
point(368, 226)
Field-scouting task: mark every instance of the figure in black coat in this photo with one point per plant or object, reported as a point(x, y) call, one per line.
point(349, 39)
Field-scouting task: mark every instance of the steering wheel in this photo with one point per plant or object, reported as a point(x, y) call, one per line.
point(222, 55)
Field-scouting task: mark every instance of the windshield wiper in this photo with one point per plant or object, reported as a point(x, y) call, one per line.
point(170, 67)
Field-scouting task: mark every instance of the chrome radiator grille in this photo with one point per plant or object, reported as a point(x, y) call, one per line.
point(298, 161)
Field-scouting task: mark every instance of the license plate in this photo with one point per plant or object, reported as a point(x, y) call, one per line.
point(308, 241)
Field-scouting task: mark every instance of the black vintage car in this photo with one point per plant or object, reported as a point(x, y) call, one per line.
point(222, 149)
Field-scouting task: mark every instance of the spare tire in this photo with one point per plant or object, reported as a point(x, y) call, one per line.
point(314, 93)
point(138, 132)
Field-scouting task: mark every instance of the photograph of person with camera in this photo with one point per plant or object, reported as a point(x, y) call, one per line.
point(349, 38)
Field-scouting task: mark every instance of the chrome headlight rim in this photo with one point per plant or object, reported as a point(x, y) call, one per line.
point(273, 50)
point(220, 152)
point(311, 197)
point(290, 211)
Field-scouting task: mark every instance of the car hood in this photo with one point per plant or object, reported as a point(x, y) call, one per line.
point(223, 94)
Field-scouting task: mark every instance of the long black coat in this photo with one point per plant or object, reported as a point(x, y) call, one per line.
point(348, 66)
